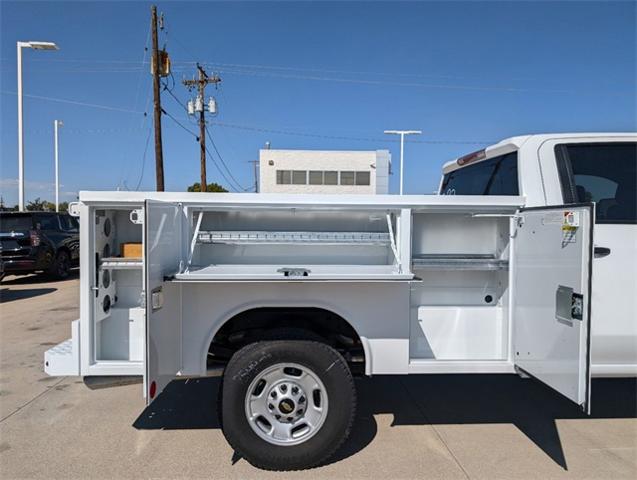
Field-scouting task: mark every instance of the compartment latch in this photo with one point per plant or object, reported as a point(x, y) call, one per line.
point(137, 216)
point(157, 298)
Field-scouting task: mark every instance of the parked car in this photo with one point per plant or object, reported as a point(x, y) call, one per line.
point(39, 242)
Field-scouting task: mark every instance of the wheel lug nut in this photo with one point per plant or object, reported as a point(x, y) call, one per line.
point(270, 406)
point(273, 394)
point(295, 390)
point(278, 417)
point(290, 419)
point(284, 388)
point(302, 400)
point(299, 412)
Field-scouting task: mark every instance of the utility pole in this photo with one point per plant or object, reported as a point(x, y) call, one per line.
point(256, 175)
point(159, 157)
point(198, 107)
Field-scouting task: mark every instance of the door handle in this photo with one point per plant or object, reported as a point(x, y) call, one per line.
point(600, 252)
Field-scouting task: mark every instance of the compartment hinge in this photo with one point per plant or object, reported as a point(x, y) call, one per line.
point(518, 221)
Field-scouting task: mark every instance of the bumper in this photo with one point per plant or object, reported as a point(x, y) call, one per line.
point(26, 264)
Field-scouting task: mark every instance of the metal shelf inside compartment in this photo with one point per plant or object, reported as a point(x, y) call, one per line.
point(307, 238)
point(468, 261)
point(121, 263)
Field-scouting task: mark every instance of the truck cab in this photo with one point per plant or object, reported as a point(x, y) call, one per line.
point(559, 169)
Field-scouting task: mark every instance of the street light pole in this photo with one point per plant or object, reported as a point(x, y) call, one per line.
point(20, 133)
point(56, 125)
point(402, 134)
point(20, 46)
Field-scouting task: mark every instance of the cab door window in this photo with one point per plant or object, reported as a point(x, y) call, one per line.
point(604, 173)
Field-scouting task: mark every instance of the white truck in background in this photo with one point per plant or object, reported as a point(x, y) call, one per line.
point(556, 169)
point(289, 296)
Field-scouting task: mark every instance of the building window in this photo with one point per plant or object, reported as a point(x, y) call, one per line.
point(330, 178)
point(299, 177)
point(316, 177)
point(347, 178)
point(362, 178)
point(283, 177)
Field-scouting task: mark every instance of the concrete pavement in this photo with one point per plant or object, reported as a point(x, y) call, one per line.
point(445, 426)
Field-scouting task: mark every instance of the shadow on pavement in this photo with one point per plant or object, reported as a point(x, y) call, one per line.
point(423, 400)
point(8, 295)
point(34, 278)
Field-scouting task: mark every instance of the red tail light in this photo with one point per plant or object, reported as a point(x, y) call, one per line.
point(34, 235)
point(472, 157)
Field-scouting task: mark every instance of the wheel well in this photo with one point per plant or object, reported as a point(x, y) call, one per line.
point(270, 323)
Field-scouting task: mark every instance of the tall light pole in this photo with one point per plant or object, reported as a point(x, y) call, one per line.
point(56, 125)
point(20, 46)
point(402, 134)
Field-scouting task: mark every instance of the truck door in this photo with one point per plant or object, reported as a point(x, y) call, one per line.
point(552, 293)
point(164, 223)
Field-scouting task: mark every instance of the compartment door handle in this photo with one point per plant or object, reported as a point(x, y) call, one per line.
point(600, 252)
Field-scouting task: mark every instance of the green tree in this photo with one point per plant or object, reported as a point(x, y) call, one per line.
point(39, 205)
point(212, 187)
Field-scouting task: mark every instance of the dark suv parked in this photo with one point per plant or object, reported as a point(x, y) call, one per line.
point(39, 241)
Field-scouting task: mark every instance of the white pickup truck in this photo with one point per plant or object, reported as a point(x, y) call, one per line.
point(289, 296)
point(560, 169)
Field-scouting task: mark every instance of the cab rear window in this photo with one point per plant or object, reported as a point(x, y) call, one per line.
point(495, 176)
point(604, 173)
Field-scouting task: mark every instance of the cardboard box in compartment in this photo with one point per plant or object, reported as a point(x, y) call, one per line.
point(131, 250)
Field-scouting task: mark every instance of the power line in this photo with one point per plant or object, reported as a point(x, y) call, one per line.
point(141, 175)
point(180, 124)
point(219, 170)
point(257, 73)
point(74, 102)
point(223, 162)
point(170, 92)
point(342, 137)
point(141, 68)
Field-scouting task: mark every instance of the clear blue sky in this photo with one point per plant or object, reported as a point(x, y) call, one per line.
point(460, 72)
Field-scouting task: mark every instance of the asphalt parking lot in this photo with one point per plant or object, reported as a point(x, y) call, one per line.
point(444, 426)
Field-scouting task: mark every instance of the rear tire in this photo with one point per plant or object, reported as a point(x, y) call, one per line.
point(287, 404)
point(61, 266)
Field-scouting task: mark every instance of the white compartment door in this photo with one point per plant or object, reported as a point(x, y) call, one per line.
point(163, 226)
point(552, 294)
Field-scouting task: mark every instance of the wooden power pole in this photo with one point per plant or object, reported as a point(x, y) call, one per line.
point(200, 84)
point(159, 158)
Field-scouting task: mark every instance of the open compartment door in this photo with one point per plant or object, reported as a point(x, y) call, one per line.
point(163, 254)
point(552, 294)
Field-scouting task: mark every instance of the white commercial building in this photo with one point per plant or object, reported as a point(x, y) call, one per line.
point(324, 171)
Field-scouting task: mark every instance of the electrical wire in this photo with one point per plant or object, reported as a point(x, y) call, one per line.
point(341, 137)
point(141, 175)
point(214, 145)
point(73, 102)
point(141, 68)
point(180, 124)
point(232, 187)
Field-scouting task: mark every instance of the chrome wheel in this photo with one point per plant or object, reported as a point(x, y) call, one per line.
point(286, 404)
